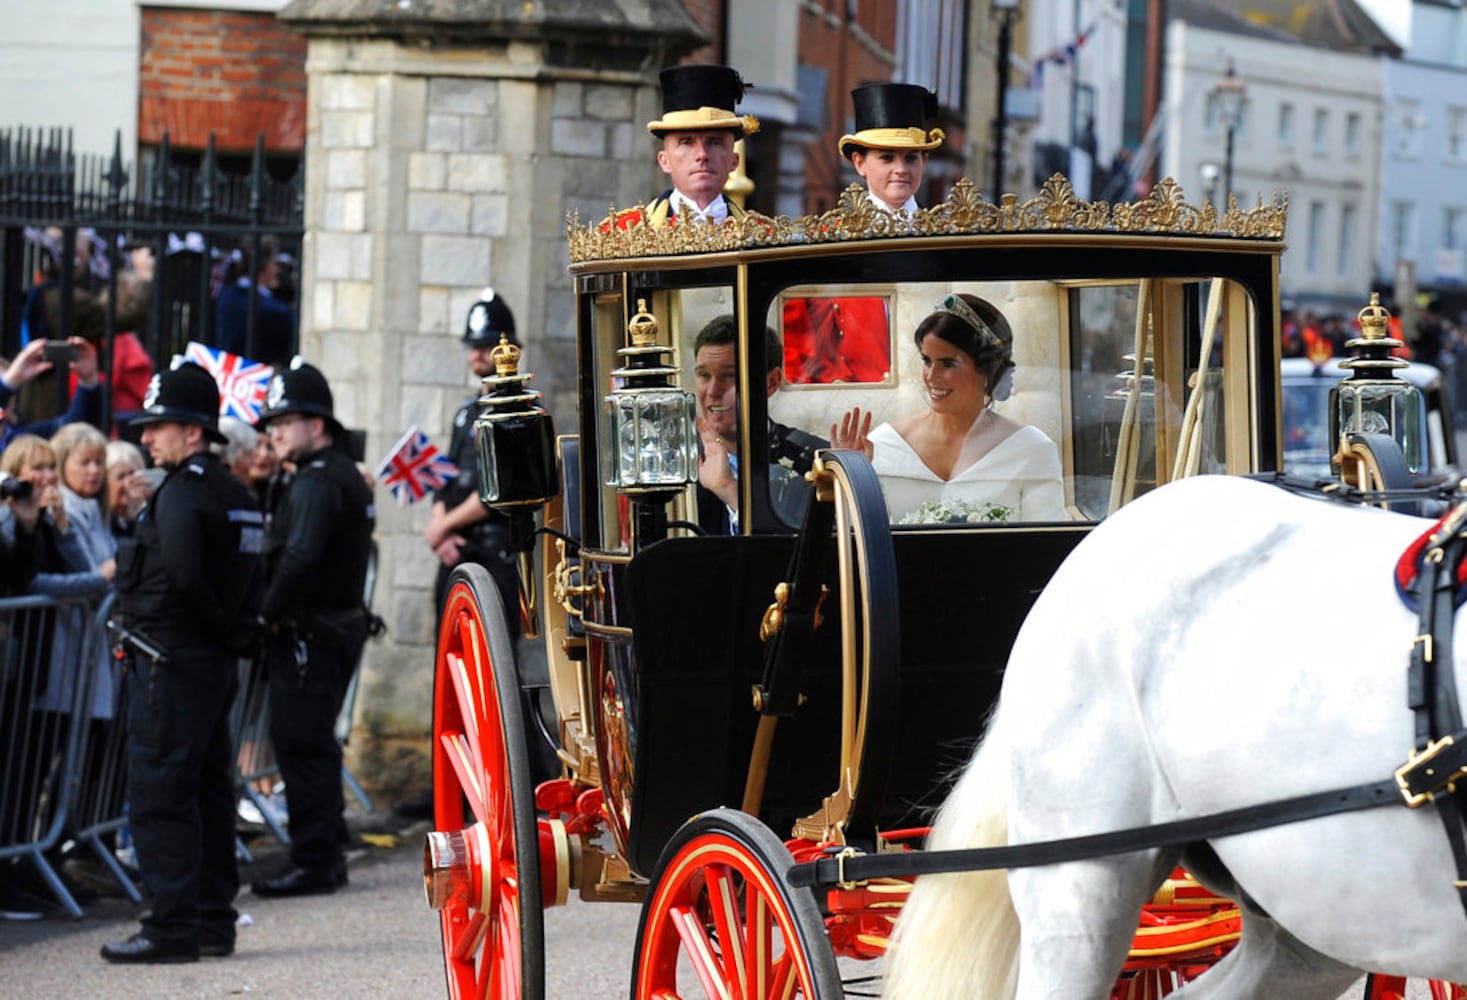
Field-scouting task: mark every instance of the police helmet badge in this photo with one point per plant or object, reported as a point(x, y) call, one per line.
point(276, 392)
point(155, 384)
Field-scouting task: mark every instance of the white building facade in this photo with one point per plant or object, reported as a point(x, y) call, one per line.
point(1423, 207)
point(1311, 129)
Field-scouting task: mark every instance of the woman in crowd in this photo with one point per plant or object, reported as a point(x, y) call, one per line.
point(237, 453)
point(129, 484)
point(890, 145)
point(959, 460)
point(81, 456)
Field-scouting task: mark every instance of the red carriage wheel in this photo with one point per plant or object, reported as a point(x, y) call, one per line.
point(481, 866)
point(1378, 987)
point(721, 921)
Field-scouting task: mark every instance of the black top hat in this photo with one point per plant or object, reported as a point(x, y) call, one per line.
point(696, 98)
point(488, 318)
point(301, 388)
point(892, 116)
point(186, 394)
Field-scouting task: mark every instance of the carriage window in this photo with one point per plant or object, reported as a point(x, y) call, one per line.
point(1097, 408)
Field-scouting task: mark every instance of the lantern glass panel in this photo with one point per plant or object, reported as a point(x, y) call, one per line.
point(1389, 406)
point(650, 438)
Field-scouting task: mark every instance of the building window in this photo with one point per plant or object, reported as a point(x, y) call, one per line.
point(1403, 230)
point(1286, 124)
point(1316, 234)
point(1454, 228)
point(1409, 125)
point(1457, 135)
point(1352, 134)
point(929, 46)
point(1347, 239)
point(1321, 130)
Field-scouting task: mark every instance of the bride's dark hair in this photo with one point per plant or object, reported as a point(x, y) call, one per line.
point(990, 344)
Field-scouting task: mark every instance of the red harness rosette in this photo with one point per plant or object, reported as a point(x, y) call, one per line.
point(1408, 568)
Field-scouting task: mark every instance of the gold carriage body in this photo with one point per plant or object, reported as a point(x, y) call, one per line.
point(1146, 344)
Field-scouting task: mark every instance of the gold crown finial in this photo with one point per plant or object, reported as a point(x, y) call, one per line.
point(506, 357)
point(1375, 319)
point(643, 327)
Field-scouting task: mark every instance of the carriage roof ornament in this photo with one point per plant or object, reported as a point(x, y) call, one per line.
point(1375, 344)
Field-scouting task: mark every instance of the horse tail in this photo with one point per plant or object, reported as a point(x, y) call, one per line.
point(958, 935)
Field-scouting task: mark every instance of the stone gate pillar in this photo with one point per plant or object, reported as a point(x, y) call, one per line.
point(445, 145)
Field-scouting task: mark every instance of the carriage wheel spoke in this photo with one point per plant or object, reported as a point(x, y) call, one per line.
point(723, 900)
point(783, 980)
point(700, 952)
point(467, 947)
point(758, 945)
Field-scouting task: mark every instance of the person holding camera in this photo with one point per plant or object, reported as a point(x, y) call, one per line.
point(188, 581)
point(36, 358)
point(313, 620)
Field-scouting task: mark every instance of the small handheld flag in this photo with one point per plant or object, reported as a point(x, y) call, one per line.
point(414, 468)
point(242, 382)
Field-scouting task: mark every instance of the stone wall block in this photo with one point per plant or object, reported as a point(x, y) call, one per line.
point(346, 169)
point(353, 306)
point(445, 133)
point(454, 260)
point(490, 215)
point(427, 171)
point(348, 92)
point(346, 129)
point(438, 212)
point(568, 99)
point(626, 139)
point(438, 361)
point(480, 133)
point(433, 309)
point(345, 211)
point(427, 407)
point(578, 137)
point(523, 113)
point(477, 173)
point(323, 304)
point(458, 95)
point(610, 103)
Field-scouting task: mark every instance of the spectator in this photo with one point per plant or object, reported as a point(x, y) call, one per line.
point(61, 562)
point(86, 401)
point(274, 325)
point(129, 484)
point(81, 455)
point(237, 453)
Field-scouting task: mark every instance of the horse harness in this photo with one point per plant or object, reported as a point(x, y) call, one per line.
point(1432, 578)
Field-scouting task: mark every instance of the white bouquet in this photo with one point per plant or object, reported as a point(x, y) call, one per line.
point(958, 512)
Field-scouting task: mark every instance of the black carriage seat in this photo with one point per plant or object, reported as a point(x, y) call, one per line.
point(697, 604)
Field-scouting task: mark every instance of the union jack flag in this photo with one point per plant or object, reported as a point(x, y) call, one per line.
point(414, 467)
point(242, 382)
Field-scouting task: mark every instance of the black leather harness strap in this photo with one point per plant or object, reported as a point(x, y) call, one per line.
point(1440, 757)
point(839, 870)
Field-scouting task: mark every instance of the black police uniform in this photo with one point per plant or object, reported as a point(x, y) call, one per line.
point(317, 551)
point(485, 542)
point(187, 581)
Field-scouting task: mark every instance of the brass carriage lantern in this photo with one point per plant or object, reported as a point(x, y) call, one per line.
point(515, 441)
point(650, 435)
point(1372, 399)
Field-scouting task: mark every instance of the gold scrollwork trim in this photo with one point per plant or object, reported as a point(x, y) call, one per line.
point(1055, 208)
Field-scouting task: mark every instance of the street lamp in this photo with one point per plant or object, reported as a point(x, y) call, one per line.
point(1229, 95)
point(1005, 11)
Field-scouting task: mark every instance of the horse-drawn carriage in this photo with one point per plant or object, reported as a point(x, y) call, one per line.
point(808, 654)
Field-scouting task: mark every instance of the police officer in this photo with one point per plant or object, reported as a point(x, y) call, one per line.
point(316, 552)
point(187, 582)
point(460, 528)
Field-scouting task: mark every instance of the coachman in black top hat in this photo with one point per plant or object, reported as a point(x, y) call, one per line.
point(696, 136)
point(890, 145)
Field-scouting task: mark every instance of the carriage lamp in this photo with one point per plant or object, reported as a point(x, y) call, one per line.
point(650, 435)
point(1373, 399)
point(651, 438)
point(515, 439)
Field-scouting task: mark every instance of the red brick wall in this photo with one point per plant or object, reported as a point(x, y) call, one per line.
point(709, 15)
point(233, 73)
point(849, 64)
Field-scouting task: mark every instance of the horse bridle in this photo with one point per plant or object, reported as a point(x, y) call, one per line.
point(1437, 762)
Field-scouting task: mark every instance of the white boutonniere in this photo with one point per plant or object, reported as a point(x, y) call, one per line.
point(958, 512)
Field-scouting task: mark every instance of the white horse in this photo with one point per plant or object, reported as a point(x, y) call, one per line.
point(1217, 644)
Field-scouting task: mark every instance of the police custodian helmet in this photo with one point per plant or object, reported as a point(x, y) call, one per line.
point(185, 394)
point(301, 388)
point(488, 318)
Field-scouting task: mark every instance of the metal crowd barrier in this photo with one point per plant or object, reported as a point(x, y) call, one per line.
point(58, 695)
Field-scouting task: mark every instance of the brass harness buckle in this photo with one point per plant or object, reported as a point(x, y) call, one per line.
point(1418, 760)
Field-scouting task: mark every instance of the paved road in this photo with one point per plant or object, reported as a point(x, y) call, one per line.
point(377, 939)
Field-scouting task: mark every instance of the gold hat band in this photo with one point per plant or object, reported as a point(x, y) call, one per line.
point(893, 138)
point(702, 119)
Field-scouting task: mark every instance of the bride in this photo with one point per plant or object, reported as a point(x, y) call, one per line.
point(959, 460)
